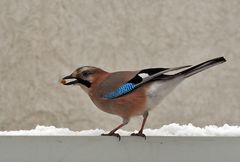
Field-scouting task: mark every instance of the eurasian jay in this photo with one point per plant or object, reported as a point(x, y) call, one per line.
point(132, 93)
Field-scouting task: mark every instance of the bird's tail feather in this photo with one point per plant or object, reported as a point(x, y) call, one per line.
point(200, 67)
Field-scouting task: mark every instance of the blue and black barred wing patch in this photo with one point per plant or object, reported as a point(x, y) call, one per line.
point(141, 78)
point(122, 90)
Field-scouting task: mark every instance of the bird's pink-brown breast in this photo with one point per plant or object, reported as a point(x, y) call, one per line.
point(131, 104)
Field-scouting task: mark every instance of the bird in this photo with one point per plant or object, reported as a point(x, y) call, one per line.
point(132, 93)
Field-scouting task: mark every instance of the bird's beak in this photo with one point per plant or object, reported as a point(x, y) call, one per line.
point(63, 81)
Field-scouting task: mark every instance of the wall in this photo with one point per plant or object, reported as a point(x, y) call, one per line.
point(129, 149)
point(41, 41)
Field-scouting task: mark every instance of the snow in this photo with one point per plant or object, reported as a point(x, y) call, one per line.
point(166, 130)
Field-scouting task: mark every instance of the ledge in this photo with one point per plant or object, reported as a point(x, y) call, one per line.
point(109, 149)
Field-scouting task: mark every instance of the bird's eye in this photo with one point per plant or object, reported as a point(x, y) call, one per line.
point(86, 73)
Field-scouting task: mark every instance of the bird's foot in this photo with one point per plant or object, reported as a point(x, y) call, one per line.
point(112, 134)
point(140, 134)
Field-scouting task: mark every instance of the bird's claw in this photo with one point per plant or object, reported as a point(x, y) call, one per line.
point(112, 134)
point(139, 134)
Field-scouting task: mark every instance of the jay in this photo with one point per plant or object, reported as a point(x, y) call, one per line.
point(132, 93)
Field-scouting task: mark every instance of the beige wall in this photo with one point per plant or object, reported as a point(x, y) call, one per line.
point(40, 41)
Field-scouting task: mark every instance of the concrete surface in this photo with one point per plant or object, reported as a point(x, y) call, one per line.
point(43, 40)
point(109, 149)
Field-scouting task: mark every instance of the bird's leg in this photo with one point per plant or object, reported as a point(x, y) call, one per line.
point(112, 133)
point(140, 133)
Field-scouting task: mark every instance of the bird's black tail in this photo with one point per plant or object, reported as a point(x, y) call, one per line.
point(200, 67)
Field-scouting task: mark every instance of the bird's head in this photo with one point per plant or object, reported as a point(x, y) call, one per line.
point(85, 76)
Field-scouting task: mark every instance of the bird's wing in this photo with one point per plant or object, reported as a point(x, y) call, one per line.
point(142, 77)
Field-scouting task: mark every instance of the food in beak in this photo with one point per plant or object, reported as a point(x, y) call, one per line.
point(63, 81)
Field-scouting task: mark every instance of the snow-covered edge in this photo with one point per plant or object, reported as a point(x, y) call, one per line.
point(166, 130)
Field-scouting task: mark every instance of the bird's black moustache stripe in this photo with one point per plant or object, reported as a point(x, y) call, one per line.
point(84, 82)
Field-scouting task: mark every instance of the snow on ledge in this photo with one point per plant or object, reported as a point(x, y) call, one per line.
point(166, 130)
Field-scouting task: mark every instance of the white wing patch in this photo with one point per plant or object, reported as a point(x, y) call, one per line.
point(143, 75)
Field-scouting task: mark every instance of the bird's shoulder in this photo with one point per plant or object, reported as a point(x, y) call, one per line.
point(115, 80)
